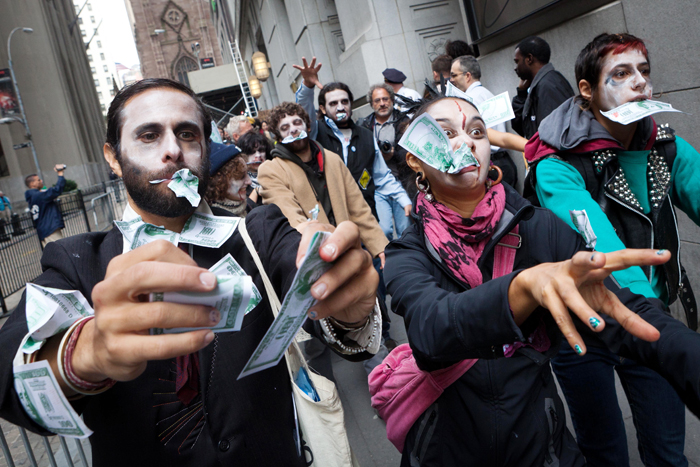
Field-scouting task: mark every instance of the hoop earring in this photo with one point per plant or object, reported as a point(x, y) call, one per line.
point(424, 187)
point(499, 176)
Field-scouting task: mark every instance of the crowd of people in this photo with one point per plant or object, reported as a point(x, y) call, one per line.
point(589, 305)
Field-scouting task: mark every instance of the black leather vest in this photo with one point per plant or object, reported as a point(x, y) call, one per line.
point(361, 154)
point(605, 181)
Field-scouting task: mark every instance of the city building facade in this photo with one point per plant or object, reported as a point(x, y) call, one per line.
point(102, 66)
point(60, 102)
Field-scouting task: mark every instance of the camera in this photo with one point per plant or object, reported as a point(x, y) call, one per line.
point(385, 146)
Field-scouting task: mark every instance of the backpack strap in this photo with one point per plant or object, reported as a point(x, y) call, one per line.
point(504, 253)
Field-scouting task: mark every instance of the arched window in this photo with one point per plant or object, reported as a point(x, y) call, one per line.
point(182, 66)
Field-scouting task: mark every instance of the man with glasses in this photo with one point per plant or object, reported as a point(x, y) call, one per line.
point(465, 75)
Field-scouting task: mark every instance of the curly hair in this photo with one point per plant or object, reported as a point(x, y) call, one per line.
point(219, 183)
point(284, 109)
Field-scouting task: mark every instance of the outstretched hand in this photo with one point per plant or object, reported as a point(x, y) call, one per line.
point(348, 290)
point(309, 73)
point(577, 285)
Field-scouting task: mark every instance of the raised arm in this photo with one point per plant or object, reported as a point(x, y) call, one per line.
point(305, 94)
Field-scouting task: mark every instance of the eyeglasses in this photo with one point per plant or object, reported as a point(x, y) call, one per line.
point(455, 75)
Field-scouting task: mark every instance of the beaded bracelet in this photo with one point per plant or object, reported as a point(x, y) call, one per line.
point(65, 366)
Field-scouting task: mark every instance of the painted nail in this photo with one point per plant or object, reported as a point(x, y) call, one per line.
point(595, 322)
point(578, 349)
point(661, 252)
point(208, 279)
point(320, 290)
point(215, 316)
point(329, 250)
point(312, 314)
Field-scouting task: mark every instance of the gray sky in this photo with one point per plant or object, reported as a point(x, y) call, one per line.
point(116, 31)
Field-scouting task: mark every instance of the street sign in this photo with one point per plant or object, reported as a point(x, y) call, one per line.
point(206, 62)
point(22, 145)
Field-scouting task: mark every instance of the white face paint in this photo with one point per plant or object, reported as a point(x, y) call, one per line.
point(255, 159)
point(237, 189)
point(624, 78)
point(338, 105)
point(291, 125)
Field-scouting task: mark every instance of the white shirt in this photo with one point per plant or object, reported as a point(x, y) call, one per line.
point(479, 94)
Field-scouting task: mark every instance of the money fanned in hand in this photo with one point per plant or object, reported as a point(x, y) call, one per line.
point(228, 266)
point(293, 311)
point(184, 183)
point(426, 140)
point(231, 297)
point(637, 110)
point(45, 403)
point(50, 312)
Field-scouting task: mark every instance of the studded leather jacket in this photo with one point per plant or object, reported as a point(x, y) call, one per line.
point(606, 182)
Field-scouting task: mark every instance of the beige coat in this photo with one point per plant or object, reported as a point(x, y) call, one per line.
point(284, 183)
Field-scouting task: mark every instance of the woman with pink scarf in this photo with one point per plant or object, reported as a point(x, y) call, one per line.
point(449, 278)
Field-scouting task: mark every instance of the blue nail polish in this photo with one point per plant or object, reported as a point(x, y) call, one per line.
point(312, 314)
point(660, 252)
point(595, 322)
point(578, 349)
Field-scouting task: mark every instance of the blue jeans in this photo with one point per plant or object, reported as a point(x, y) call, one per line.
point(588, 384)
point(391, 214)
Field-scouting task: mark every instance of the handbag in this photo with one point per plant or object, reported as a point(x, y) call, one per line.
point(322, 423)
point(401, 392)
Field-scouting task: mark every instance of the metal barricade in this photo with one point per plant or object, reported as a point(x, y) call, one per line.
point(29, 450)
point(102, 210)
point(20, 256)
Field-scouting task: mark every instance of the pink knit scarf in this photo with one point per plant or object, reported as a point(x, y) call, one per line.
point(459, 241)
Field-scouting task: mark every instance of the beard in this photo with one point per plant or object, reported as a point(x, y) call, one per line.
point(149, 198)
point(298, 146)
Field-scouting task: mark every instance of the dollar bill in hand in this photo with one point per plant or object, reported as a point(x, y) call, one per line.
point(293, 311)
point(231, 297)
point(228, 266)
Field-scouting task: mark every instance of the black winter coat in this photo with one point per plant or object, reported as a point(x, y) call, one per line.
point(506, 411)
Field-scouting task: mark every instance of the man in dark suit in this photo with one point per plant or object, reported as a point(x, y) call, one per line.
point(177, 400)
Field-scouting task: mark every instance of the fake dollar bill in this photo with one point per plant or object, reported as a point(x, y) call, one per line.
point(452, 91)
point(426, 140)
point(231, 297)
point(129, 228)
point(637, 110)
point(207, 230)
point(293, 311)
point(45, 403)
point(583, 225)
point(50, 312)
point(147, 233)
point(184, 184)
point(496, 110)
point(228, 266)
point(291, 139)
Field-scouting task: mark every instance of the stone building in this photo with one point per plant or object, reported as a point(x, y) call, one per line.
point(58, 92)
point(166, 31)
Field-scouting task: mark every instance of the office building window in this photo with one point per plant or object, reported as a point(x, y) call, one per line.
point(82, 32)
point(89, 7)
point(102, 106)
point(102, 56)
point(104, 67)
point(97, 82)
point(92, 70)
point(109, 81)
point(111, 92)
point(94, 31)
point(92, 19)
point(89, 58)
point(99, 94)
point(80, 20)
point(99, 44)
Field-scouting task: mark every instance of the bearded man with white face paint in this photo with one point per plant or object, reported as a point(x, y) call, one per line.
point(175, 399)
point(627, 179)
